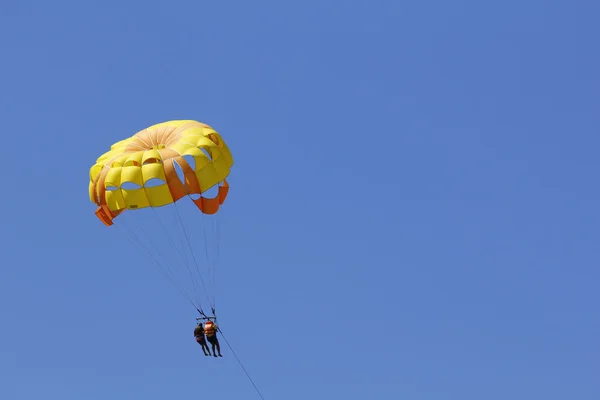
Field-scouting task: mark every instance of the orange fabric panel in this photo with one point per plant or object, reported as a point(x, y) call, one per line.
point(176, 188)
point(211, 206)
point(191, 180)
point(101, 214)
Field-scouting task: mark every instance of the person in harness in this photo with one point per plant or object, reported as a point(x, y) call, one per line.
point(210, 330)
point(199, 335)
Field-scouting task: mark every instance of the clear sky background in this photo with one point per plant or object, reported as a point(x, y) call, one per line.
point(413, 210)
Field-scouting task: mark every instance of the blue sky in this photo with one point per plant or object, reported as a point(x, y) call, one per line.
point(413, 210)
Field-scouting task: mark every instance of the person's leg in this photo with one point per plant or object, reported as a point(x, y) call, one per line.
point(202, 343)
point(205, 346)
point(213, 343)
point(218, 346)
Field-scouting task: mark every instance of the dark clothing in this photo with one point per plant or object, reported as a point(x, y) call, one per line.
point(199, 331)
point(212, 339)
point(199, 335)
point(216, 348)
point(201, 339)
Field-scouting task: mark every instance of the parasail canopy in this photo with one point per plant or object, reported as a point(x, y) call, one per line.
point(140, 171)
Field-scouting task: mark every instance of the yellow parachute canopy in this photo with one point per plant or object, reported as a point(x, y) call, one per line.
point(140, 172)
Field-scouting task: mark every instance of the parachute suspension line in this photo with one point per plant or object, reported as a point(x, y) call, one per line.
point(241, 365)
point(164, 270)
point(155, 257)
point(180, 238)
point(184, 259)
point(160, 258)
point(187, 238)
point(217, 247)
point(154, 247)
point(140, 246)
point(211, 275)
point(211, 231)
point(212, 227)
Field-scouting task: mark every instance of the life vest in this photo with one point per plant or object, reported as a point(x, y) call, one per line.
point(209, 328)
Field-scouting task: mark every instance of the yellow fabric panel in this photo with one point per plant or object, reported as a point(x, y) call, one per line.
point(104, 157)
point(179, 147)
point(226, 155)
point(114, 199)
point(194, 131)
point(150, 154)
point(120, 143)
point(211, 151)
point(135, 157)
point(224, 150)
point(119, 161)
point(159, 195)
point(153, 171)
point(215, 171)
point(93, 196)
point(192, 151)
point(201, 160)
point(113, 177)
point(221, 168)
point(215, 133)
point(132, 174)
point(205, 141)
point(135, 198)
point(207, 177)
point(95, 171)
